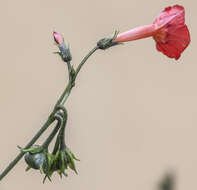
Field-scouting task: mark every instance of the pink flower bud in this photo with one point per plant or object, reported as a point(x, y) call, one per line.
point(58, 38)
point(168, 30)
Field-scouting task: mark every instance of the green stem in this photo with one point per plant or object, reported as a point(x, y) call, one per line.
point(84, 60)
point(61, 122)
point(60, 101)
point(33, 140)
point(69, 87)
point(45, 145)
point(69, 69)
point(65, 94)
point(60, 141)
point(57, 144)
point(62, 133)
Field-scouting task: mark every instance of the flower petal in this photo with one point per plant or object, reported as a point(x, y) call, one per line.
point(171, 15)
point(176, 43)
point(173, 36)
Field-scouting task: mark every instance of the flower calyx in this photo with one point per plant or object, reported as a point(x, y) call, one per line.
point(61, 161)
point(106, 43)
point(64, 52)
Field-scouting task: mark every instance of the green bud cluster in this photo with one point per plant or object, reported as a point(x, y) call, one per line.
point(39, 158)
point(61, 161)
point(49, 163)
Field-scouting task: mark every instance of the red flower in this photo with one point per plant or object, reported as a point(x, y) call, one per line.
point(168, 30)
point(58, 38)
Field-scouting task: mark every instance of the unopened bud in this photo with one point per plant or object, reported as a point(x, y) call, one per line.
point(58, 38)
point(64, 49)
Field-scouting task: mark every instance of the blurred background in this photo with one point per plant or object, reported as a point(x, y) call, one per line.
point(132, 115)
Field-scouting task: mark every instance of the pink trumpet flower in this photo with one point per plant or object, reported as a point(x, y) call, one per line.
point(168, 30)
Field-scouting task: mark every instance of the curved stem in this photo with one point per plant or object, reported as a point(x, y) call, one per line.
point(62, 134)
point(20, 155)
point(84, 60)
point(60, 141)
point(45, 145)
point(62, 123)
point(69, 87)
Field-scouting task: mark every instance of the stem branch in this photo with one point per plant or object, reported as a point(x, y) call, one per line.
point(69, 87)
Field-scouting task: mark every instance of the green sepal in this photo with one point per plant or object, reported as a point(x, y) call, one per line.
point(71, 163)
point(57, 52)
point(74, 157)
point(56, 155)
point(106, 43)
point(63, 163)
point(32, 150)
point(60, 173)
point(27, 168)
point(50, 160)
point(65, 52)
point(41, 169)
point(45, 177)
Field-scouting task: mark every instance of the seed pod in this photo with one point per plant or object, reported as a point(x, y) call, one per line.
point(36, 160)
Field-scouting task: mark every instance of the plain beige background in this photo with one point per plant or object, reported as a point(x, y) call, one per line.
point(133, 112)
